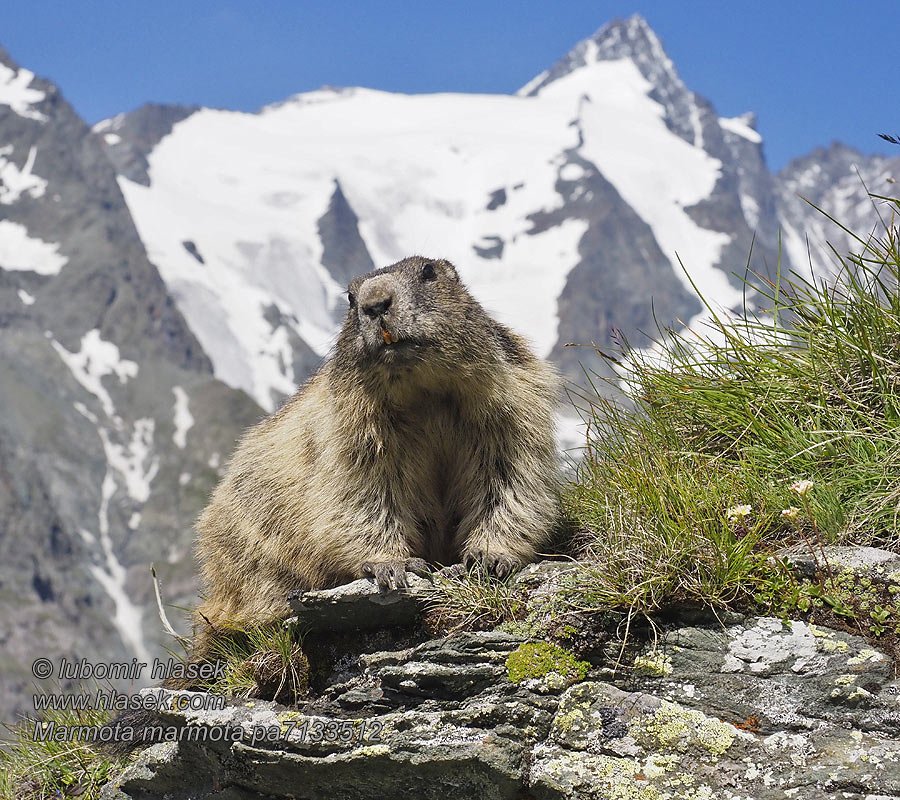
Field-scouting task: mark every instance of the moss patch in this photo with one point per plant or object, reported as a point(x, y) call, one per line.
point(537, 660)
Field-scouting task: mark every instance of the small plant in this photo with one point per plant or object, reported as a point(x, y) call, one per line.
point(474, 600)
point(801, 489)
point(264, 662)
point(881, 619)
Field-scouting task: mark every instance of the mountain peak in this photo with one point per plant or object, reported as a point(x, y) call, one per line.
point(686, 114)
point(16, 90)
point(630, 38)
point(633, 33)
point(6, 59)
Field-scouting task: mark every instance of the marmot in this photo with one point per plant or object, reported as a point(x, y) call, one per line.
point(427, 435)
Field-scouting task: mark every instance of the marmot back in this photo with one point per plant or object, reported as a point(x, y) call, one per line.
point(427, 435)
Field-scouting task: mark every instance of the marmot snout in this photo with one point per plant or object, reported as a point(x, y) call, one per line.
point(400, 313)
point(427, 436)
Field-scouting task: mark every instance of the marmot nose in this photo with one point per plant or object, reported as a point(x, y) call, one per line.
point(377, 306)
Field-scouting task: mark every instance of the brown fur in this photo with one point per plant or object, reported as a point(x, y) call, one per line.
point(439, 446)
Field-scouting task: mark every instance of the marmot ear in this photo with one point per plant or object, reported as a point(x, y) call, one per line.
point(451, 270)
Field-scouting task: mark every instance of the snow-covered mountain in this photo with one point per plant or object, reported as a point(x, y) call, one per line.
point(563, 206)
point(566, 207)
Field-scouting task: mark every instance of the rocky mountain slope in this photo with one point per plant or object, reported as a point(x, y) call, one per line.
point(111, 423)
point(838, 180)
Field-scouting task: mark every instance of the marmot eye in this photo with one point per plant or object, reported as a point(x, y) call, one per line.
point(351, 299)
point(428, 273)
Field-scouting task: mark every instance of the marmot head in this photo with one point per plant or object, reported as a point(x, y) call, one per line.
point(412, 313)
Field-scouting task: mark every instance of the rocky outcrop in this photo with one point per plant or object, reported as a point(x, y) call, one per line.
point(741, 706)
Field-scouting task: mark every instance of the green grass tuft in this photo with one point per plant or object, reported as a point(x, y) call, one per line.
point(264, 662)
point(32, 769)
point(690, 482)
point(473, 601)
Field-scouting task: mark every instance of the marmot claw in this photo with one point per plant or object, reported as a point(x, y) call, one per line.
point(419, 566)
point(500, 565)
point(392, 574)
point(453, 571)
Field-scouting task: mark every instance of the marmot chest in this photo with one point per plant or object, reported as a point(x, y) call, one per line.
point(433, 444)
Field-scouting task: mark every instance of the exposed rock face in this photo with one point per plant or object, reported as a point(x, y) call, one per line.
point(837, 180)
point(599, 294)
point(80, 258)
point(110, 419)
point(750, 707)
point(129, 138)
point(358, 606)
point(344, 252)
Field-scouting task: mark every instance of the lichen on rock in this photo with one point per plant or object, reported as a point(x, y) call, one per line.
point(674, 727)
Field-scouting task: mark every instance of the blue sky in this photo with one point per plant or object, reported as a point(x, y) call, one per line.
point(812, 71)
